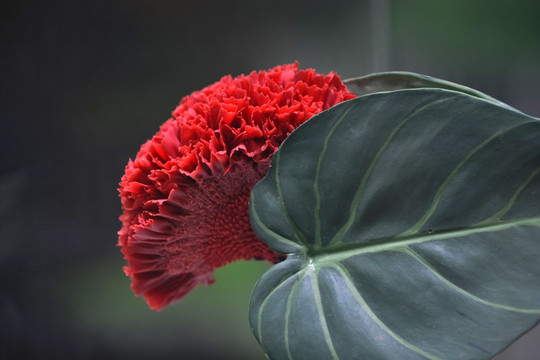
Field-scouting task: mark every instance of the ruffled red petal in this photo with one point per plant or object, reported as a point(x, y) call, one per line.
point(185, 196)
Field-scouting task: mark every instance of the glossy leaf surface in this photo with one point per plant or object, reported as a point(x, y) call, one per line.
point(411, 221)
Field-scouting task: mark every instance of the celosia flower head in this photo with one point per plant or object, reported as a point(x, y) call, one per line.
point(185, 196)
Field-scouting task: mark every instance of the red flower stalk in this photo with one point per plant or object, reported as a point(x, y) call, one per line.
point(185, 196)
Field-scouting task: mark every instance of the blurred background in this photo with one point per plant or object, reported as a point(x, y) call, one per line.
point(85, 83)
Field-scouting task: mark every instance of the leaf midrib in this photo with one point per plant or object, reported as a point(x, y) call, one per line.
point(336, 253)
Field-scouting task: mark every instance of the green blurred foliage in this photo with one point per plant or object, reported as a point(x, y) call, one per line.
point(487, 33)
point(212, 319)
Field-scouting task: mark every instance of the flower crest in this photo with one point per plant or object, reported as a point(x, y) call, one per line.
point(185, 196)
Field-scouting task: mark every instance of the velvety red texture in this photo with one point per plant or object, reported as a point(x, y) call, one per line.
point(185, 196)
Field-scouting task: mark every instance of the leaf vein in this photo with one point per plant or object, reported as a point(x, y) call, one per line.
point(459, 289)
point(363, 304)
point(320, 311)
point(435, 202)
point(499, 214)
point(358, 194)
point(267, 230)
point(318, 175)
point(301, 238)
point(288, 313)
point(266, 299)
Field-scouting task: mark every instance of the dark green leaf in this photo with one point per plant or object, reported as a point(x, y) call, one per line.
point(412, 223)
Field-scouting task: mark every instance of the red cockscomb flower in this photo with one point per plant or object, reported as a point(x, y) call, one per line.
point(185, 196)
